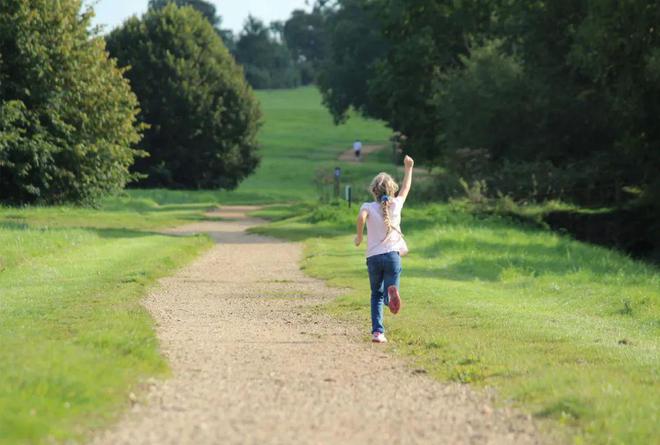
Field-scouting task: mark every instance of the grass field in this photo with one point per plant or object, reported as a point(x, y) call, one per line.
point(74, 340)
point(299, 139)
point(567, 331)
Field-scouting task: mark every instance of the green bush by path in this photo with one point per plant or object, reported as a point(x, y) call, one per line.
point(68, 117)
point(203, 116)
point(567, 331)
point(74, 339)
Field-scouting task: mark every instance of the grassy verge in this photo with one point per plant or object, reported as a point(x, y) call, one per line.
point(74, 339)
point(565, 330)
point(73, 336)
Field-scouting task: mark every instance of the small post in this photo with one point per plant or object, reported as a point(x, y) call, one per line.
point(337, 177)
point(349, 197)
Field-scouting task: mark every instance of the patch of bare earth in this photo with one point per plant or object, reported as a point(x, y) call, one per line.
point(252, 364)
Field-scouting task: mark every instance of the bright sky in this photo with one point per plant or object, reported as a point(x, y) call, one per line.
point(233, 12)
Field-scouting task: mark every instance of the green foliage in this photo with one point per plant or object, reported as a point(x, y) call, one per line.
point(267, 62)
point(67, 115)
point(561, 86)
point(356, 47)
point(203, 117)
point(306, 37)
point(207, 9)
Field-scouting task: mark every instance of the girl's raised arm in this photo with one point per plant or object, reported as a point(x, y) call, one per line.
point(408, 164)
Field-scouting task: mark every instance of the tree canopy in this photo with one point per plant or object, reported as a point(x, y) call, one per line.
point(67, 114)
point(267, 62)
point(563, 90)
point(203, 117)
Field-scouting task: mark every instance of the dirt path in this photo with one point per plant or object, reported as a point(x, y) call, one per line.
point(349, 155)
point(252, 364)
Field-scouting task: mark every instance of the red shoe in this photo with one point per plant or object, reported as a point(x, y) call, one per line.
point(395, 299)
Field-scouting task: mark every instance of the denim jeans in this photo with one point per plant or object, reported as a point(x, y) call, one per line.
point(384, 271)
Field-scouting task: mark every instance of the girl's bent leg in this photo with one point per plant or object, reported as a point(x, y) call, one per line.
point(391, 276)
point(392, 270)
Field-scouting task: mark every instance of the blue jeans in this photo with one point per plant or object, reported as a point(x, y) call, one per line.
point(384, 271)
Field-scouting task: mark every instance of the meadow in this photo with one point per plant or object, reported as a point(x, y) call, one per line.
point(563, 330)
point(566, 331)
point(74, 339)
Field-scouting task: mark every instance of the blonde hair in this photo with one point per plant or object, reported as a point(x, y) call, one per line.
point(383, 188)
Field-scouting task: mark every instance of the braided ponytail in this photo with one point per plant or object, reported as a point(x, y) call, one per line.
point(385, 208)
point(383, 189)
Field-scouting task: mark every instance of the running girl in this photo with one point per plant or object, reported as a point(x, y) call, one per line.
point(385, 244)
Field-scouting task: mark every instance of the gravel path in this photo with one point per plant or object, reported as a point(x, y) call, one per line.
point(253, 364)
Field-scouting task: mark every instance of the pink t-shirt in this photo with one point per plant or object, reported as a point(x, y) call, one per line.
point(378, 241)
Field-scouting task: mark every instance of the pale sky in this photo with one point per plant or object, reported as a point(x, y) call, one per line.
point(233, 12)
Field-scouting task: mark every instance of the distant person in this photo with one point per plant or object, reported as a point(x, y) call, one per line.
point(385, 244)
point(357, 148)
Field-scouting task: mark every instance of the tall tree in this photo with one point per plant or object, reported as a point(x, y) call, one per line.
point(203, 116)
point(266, 60)
point(67, 115)
point(356, 48)
point(305, 35)
point(207, 9)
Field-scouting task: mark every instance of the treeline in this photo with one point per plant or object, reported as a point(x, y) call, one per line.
point(159, 102)
point(533, 100)
point(276, 55)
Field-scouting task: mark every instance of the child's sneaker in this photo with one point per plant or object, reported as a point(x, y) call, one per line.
point(395, 299)
point(378, 337)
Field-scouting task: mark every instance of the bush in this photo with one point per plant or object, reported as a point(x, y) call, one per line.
point(203, 116)
point(67, 115)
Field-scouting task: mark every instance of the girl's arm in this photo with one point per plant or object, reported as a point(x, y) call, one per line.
point(361, 219)
point(408, 164)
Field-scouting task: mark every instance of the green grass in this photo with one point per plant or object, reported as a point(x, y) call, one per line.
point(299, 138)
point(565, 330)
point(74, 339)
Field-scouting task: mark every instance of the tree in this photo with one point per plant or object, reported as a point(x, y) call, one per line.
point(305, 35)
point(267, 62)
point(203, 116)
point(67, 114)
point(387, 57)
point(208, 10)
point(356, 48)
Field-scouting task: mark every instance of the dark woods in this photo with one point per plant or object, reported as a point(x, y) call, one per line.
point(529, 100)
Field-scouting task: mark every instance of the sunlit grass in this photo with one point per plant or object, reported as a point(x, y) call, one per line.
point(568, 331)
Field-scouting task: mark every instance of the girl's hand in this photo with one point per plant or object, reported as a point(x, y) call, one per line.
point(357, 240)
point(408, 162)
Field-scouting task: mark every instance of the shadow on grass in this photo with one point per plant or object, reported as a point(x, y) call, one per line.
point(491, 259)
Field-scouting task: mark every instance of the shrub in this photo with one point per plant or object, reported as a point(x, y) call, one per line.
point(203, 116)
point(67, 115)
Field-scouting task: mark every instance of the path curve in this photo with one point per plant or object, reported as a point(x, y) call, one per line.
point(253, 363)
point(349, 155)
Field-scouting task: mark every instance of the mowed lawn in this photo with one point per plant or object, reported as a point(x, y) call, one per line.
point(567, 331)
point(74, 339)
point(299, 139)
